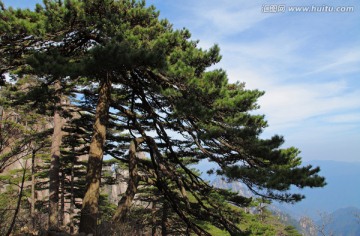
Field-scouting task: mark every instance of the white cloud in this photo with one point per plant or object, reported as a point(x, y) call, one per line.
point(292, 95)
point(287, 103)
point(225, 19)
point(306, 63)
point(344, 118)
point(215, 19)
point(276, 47)
point(292, 104)
point(339, 61)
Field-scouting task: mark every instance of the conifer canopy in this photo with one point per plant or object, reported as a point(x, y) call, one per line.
point(145, 87)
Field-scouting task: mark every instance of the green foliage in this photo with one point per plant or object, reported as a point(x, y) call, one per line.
point(21, 21)
point(107, 209)
point(163, 92)
point(7, 201)
point(251, 225)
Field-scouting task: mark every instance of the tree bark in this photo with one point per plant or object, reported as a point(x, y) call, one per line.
point(125, 202)
point(1, 116)
point(72, 196)
point(33, 200)
point(55, 165)
point(164, 220)
point(62, 199)
point(90, 207)
point(153, 219)
point(18, 202)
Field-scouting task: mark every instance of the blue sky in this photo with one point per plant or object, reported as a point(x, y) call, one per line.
point(308, 64)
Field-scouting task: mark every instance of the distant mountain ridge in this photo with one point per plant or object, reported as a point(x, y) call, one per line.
point(339, 200)
point(342, 190)
point(236, 187)
point(344, 222)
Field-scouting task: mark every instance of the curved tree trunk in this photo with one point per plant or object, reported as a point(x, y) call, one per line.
point(90, 207)
point(125, 202)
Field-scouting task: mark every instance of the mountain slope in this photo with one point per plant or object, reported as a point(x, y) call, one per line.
point(343, 222)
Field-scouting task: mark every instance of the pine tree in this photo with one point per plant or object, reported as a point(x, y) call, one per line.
point(154, 94)
point(27, 139)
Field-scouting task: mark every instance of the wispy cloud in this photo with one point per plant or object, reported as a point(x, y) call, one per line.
point(288, 104)
point(345, 118)
point(339, 61)
point(294, 103)
point(216, 20)
point(229, 18)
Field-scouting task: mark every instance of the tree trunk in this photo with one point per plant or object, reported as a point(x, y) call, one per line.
point(72, 197)
point(18, 202)
point(55, 165)
point(153, 219)
point(125, 202)
point(33, 200)
point(1, 115)
point(62, 199)
point(90, 207)
point(164, 220)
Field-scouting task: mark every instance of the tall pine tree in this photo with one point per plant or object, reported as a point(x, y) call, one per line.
point(155, 94)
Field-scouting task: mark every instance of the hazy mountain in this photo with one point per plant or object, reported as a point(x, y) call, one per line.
point(338, 200)
point(342, 190)
point(344, 222)
point(236, 187)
